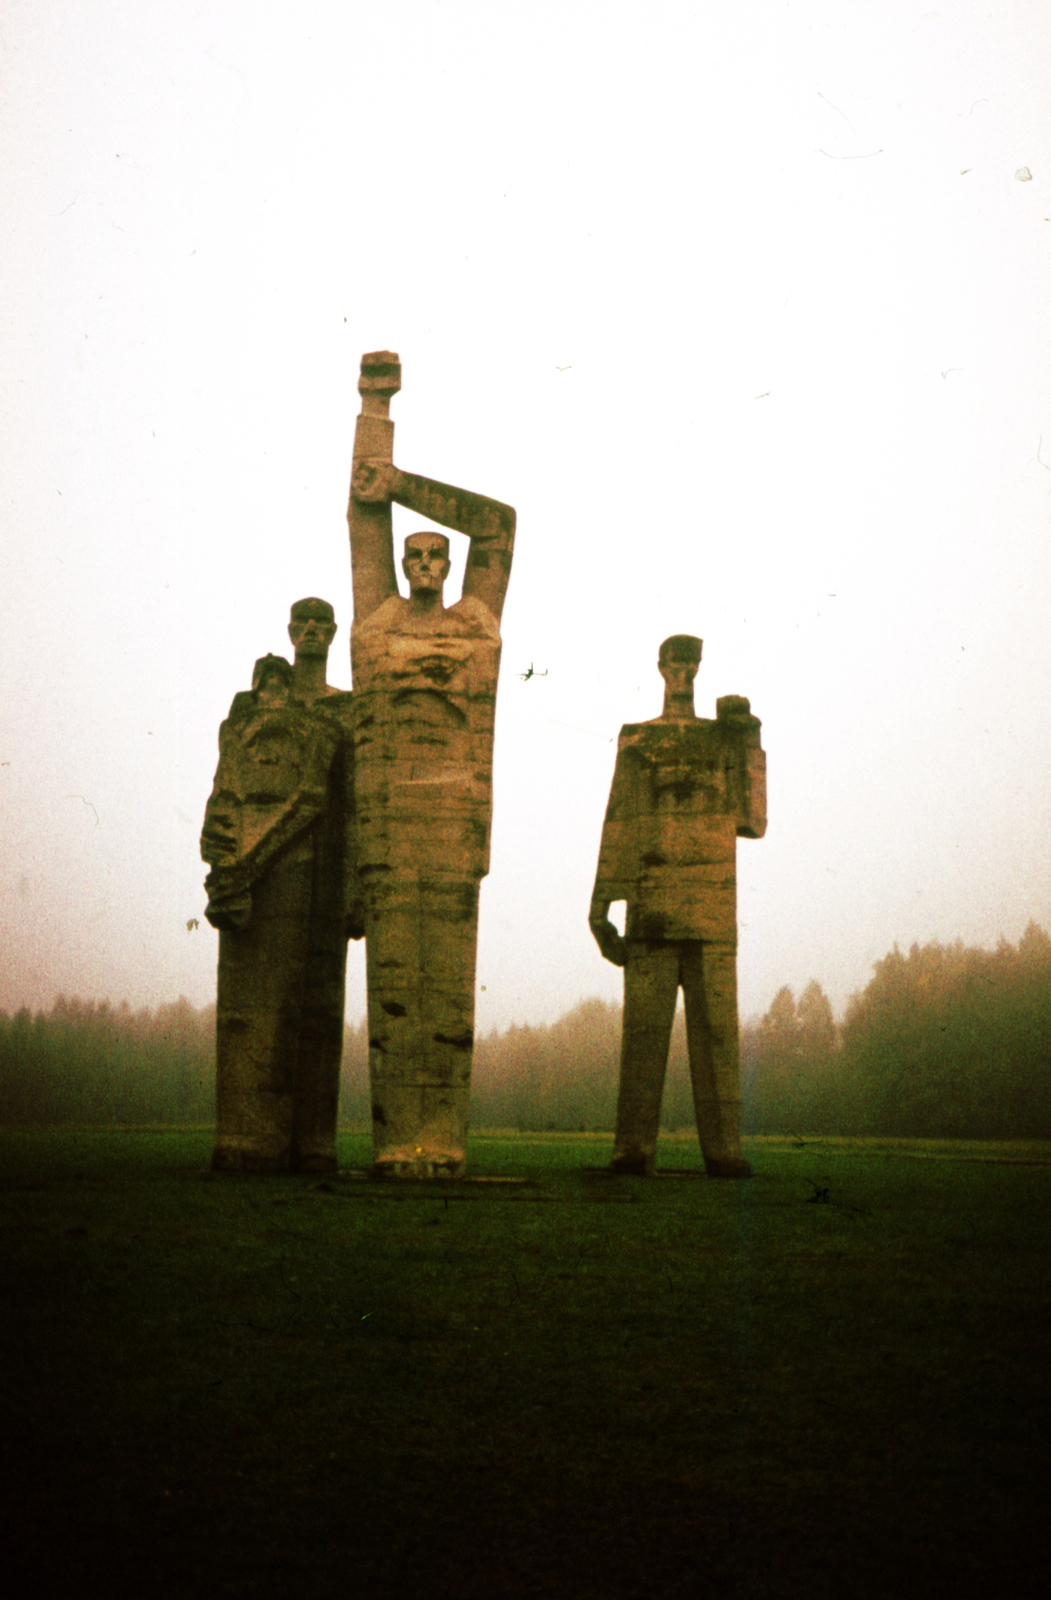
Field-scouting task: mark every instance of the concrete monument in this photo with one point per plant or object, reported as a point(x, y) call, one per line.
point(424, 699)
point(278, 836)
point(684, 788)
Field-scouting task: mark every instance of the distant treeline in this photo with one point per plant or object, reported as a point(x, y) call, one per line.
point(946, 1042)
point(91, 1064)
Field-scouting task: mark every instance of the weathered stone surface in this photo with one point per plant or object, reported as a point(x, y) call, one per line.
point(283, 891)
point(424, 699)
point(684, 788)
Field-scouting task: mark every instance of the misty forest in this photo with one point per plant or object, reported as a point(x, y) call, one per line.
point(944, 1042)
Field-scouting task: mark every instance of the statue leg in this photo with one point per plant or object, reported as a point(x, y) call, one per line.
point(320, 1042)
point(651, 989)
point(421, 944)
point(709, 973)
point(260, 994)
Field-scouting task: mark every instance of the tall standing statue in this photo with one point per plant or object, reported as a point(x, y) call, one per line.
point(278, 835)
point(424, 699)
point(684, 788)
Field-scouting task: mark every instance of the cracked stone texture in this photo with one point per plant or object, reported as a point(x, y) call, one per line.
point(684, 788)
point(425, 678)
point(278, 834)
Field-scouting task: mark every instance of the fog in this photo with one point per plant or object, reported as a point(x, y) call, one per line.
point(745, 310)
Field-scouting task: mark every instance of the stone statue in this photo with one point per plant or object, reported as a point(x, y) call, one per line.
point(278, 836)
point(424, 698)
point(684, 788)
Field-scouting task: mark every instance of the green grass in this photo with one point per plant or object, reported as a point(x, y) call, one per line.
point(579, 1386)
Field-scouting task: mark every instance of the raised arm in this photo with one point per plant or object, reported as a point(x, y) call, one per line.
point(749, 774)
point(369, 516)
point(376, 482)
point(489, 524)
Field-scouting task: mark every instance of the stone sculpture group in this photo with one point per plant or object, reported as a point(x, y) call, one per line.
point(338, 816)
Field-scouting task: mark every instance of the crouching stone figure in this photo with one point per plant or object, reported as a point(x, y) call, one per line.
point(684, 788)
point(278, 836)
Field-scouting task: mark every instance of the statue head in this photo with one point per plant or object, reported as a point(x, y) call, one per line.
point(677, 661)
point(426, 562)
point(312, 627)
point(271, 677)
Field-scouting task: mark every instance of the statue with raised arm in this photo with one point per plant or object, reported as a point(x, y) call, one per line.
point(424, 699)
point(684, 789)
point(278, 836)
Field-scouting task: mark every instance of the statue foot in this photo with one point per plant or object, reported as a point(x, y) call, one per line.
point(228, 1158)
point(632, 1166)
point(735, 1168)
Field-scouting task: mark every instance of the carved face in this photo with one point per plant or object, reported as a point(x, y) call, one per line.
point(311, 636)
point(678, 677)
point(426, 563)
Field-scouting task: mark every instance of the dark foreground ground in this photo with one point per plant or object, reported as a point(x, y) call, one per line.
point(830, 1381)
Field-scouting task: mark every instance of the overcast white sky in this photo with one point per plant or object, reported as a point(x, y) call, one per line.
point(746, 310)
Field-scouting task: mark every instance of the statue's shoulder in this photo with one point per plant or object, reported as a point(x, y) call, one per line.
point(468, 618)
point(231, 729)
point(473, 617)
point(659, 738)
point(386, 618)
point(241, 706)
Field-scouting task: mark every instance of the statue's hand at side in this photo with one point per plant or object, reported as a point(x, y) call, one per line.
point(229, 901)
point(609, 941)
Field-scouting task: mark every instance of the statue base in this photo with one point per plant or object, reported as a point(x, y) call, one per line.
point(419, 1165)
point(228, 1158)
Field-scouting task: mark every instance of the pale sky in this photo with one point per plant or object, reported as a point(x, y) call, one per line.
point(744, 308)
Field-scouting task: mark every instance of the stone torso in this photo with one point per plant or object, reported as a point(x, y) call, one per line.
point(424, 700)
point(682, 791)
point(280, 768)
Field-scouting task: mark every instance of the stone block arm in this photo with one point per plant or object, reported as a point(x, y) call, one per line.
point(369, 513)
point(734, 713)
point(297, 813)
point(617, 860)
point(369, 516)
point(236, 860)
point(376, 482)
point(220, 835)
point(230, 880)
point(752, 821)
point(489, 524)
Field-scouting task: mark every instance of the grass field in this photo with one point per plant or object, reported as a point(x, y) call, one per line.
point(830, 1381)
